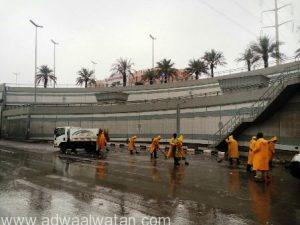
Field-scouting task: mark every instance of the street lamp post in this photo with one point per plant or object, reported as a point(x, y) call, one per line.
point(16, 74)
point(94, 67)
point(54, 44)
point(153, 39)
point(35, 57)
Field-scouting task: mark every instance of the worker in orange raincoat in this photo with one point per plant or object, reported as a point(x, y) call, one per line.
point(131, 145)
point(172, 153)
point(272, 143)
point(154, 147)
point(233, 149)
point(250, 154)
point(181, 153)
point(101, 143)
point(261, 158)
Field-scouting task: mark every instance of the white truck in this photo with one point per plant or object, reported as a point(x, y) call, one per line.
point(295, 166)
point(75, 137)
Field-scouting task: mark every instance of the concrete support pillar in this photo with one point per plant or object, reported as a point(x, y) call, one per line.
point(27, 134)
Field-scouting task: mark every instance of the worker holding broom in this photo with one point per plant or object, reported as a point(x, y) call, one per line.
point(154, 147)
point(233, 150)
point(131, 145)
point(101, 144)
point(181, 153)
point(172, 153)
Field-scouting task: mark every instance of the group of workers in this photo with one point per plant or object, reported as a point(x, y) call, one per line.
point(260, 155)
point(175, 151)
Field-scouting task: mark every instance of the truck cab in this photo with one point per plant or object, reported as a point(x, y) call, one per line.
point(60, 136)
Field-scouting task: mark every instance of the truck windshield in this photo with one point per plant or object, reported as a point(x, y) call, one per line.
point(59, 131)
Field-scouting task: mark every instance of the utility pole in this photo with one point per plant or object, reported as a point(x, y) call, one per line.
point(276, 26)
point(153, 39)
point(54, 44)
point(35, 57)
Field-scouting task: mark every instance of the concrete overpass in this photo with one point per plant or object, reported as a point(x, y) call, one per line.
point(198, 109)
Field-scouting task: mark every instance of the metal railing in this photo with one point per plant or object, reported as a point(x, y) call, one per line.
point(217, 73)
point(274, 89)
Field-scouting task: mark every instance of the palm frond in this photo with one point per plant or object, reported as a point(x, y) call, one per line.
point(298, 53)
point(265, 47)
point(196, 67)
point(84, 76)
point(44, 75)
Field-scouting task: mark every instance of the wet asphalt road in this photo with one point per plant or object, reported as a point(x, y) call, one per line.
point(205, 192)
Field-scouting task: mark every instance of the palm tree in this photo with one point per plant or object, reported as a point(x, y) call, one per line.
point(298, 53)
point(149, 75)
point(44, 75)
point(265, 48)
point(298, 50)
point(214, 58)
point(196, 67)
point(85, 77)
point(248, 57)
point(123, 67)
point(166, 67)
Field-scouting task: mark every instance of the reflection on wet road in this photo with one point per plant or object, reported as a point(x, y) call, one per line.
point(206, 192)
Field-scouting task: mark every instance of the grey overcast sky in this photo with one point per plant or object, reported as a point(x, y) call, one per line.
point(103, 31)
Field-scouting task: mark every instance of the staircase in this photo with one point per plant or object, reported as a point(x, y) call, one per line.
point(270, 99)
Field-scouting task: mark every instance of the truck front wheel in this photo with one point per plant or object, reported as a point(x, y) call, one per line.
point(63, 149)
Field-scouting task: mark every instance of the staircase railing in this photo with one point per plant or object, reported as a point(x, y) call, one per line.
point(274, 89)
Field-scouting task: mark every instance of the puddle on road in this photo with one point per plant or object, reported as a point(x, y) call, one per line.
point(39, 185)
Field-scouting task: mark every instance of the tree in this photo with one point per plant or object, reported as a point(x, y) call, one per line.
point(298, 53)
point(166, 67)
point(85, 76)
point(44, 75)
point(214, 58)
point(123, 67)
point(150, 75)
point(248, 57)
point(298, 50)
point(264, 48)
point(196, 67)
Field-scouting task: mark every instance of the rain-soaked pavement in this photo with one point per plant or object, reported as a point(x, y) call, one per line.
point(41, 184)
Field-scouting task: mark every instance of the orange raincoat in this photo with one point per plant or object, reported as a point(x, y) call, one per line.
point(180, 152)
point(155, 144)
point(233, 147)
point(251, 148)
point(178, 143)
point(261, 155)
point(101, 141)
point(131, 144)
point(173, 143)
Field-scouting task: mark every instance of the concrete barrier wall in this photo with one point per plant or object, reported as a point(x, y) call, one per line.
point(210, 86)
point(197, 118)
point(197, 124)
